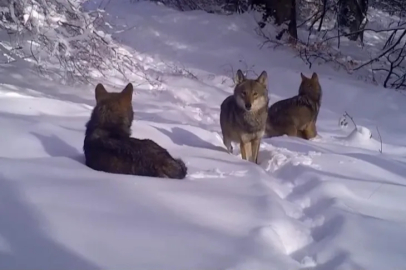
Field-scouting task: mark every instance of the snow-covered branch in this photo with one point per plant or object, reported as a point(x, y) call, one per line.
point(59, 35)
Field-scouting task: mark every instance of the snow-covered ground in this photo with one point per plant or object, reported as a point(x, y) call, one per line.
point(335, 202)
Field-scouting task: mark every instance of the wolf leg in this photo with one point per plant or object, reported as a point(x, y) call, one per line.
point(246, 151)
point(291, 131)
point(255, 149)
point(242, 150)
point(301, 134)
point(310, 131)
point(227, 144)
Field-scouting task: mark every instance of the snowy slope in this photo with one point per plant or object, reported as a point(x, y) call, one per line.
point(334, 202)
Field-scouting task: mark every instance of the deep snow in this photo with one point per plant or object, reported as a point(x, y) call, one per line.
point(334, 202)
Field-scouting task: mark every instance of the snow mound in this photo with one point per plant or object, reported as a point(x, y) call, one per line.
point(359, 135)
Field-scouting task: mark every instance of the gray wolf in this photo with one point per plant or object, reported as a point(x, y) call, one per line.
point(243, 115)
point(296, 116)
point(108, 146)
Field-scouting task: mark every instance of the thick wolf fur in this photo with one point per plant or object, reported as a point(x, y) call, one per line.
point(297, 116)
point(108, 146)
point(243, 115)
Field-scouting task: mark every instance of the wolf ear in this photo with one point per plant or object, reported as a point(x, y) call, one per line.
point(100, 92)
point(263, 78)
point(239, 78)
point(303, 76)
point(315, 77)
point(127, 93)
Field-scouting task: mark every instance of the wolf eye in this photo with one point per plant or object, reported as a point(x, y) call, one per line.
point(243, 93)
point(255, 94)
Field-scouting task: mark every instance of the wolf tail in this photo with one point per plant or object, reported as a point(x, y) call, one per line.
point(174, 168)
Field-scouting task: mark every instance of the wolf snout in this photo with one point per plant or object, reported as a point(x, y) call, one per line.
point(248, 106)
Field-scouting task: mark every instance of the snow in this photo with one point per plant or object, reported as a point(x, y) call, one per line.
point(334, 202)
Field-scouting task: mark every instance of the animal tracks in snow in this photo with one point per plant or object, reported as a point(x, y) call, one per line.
point(216, 173)
point(306, 198)
point(273, 158)
point(305, 225)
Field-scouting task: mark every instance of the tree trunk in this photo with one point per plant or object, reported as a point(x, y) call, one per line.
point(351, 14)
point(292, 28)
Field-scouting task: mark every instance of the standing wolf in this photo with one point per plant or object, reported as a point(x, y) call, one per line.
point(243, 115)
point(108, 146)
point(297, 116)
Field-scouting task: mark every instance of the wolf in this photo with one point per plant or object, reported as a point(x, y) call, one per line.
point(296, 116)
point(108, 146)
point(243, 115)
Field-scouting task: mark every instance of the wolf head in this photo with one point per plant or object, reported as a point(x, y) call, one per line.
point(251, 94)
point(311, 87)
point(113, 110)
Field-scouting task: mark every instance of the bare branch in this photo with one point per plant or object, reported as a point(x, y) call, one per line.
point(352, 119)
point(380, 139)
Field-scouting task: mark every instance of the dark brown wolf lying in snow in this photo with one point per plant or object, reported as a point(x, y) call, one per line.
point(108, 146)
